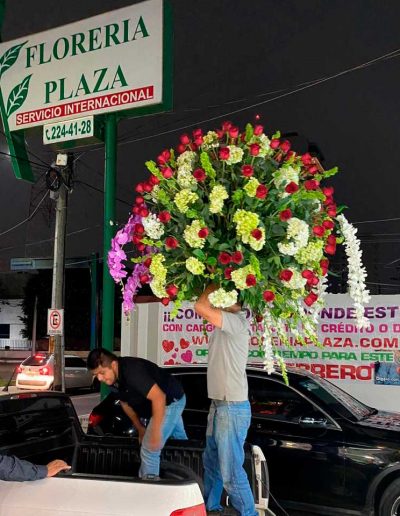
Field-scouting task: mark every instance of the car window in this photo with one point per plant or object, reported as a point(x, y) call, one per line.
point(74, 362)
point(335, 398)
point(275, 400)
point(36, 360)
point(195, 387)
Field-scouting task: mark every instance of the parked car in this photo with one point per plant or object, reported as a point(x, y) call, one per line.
point(37, 372)
point(327, 453)
point(43, 426)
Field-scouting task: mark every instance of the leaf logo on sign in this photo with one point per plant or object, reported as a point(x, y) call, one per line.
point(18, 95)
point(9, 57)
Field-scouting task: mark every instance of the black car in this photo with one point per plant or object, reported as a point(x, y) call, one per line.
point(327, 452)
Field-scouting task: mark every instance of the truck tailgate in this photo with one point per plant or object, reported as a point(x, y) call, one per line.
point(83, 497)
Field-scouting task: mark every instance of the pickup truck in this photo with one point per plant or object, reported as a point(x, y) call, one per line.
point(103, 481)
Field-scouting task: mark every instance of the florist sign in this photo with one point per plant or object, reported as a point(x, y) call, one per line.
point(110, 62)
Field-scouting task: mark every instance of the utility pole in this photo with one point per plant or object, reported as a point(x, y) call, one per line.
point(59, 181)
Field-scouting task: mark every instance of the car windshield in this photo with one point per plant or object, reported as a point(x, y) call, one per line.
point(36, 360)
point(335, 398)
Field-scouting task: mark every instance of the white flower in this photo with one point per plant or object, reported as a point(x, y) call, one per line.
point(222, 299)
point(284, 176)
point(185, 177)
point(357, 273)
point(235, 155)
point(186, 158)
point(210, 140)
point(297, 235)
point(153, 227)
point(296, 282)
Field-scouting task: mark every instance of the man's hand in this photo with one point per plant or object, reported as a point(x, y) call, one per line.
point(56, 466)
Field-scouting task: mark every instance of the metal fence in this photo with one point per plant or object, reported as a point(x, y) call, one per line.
point(15, 344)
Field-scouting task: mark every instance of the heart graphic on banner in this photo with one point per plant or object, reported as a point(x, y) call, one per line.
point(168, 345)
point(169, 362)
point(174, 355)
point(187, 356)
point(184, 343)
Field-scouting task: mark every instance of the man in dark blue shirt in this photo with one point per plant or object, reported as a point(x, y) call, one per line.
point(146, 391)
point(14, 469)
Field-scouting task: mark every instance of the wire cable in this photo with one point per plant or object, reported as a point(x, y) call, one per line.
point(28, 218)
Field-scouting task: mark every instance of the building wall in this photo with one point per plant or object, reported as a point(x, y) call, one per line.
point(10, 313)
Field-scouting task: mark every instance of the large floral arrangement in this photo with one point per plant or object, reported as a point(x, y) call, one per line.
point(246, 212)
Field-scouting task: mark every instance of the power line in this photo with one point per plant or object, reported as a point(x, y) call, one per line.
point(28, 218)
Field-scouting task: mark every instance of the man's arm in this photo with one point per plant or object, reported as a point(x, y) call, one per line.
point(17, 470)
point(204, 308)
point(134, 418)
point(158, 400)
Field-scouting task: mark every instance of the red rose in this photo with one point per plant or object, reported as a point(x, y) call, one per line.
point(197, 133)
point(285, 215)
point(251, 280)
point(292, 187)
point(139, 200)
point(185, 140)
point(285, 146)
point(328, 191)
point(268, 296)
point(313, 281)
point(172, 290)
point(310, 299)
point(324, 263)
point(318, 231)
point(140, 247)
point(143, 212)
point(330, 249)
point(328, 224)
point(274, 143)
point(198, 141)
point(311, 184)
point(220, 133)
point(324, 271)
point(306, 159)
point(193, 147)
point(226, 125)
point(307, 274)
point(313, 169)
point(234, 132)
point(261, 192)
point(289, 155)
point(181, 148)
point(228, 272)
point(199, 174)
point(224, 258)
point(258, 129)
point(147, 262)
point(247, 170)
point(171, 243)
point(167, 173)
point(154, 180)
point(331, 240)
point(224, 153)
point(237, 257)
point(136, 239)
point(331, 211)
point(139, 228)
point(144, 278)
point(135, 210)
point(148, 187)
point(161, 159)
point(285, 275)
point(257, 234)
point(164, 217)
point(165, 301)
point(254, 149)
point(139, 188)
point(203, 233)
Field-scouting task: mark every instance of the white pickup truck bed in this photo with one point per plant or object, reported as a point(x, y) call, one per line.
point(84, 497)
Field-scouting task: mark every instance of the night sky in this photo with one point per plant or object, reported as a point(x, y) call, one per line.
point(234, 59)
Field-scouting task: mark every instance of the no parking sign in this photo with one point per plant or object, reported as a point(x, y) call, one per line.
point(55, 321)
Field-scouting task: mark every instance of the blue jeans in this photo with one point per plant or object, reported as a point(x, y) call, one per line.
point(172, 426)
point(223, 458)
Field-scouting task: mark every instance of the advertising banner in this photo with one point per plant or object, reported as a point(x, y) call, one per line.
point(110, 62)
point(363, 362)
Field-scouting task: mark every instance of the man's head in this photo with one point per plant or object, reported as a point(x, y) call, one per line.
point(104, 365)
